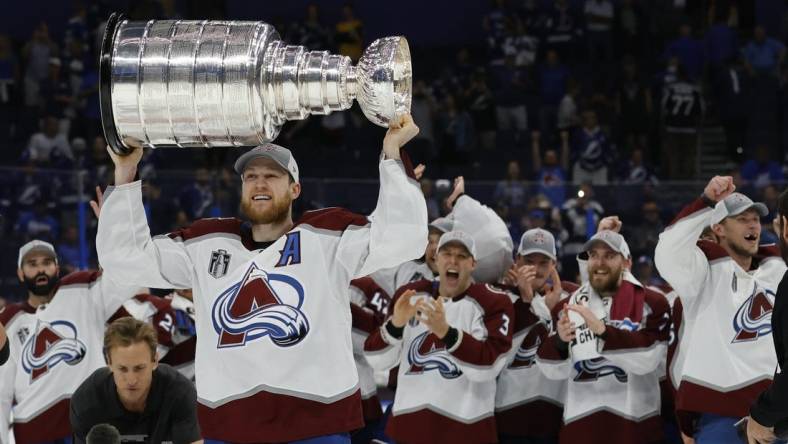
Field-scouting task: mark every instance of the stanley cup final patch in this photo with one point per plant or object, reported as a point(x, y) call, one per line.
point(220, 260)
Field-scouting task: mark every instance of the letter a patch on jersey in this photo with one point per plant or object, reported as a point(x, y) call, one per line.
point(291, 253)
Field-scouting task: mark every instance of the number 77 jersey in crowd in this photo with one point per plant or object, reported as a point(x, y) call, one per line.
point(447, 394)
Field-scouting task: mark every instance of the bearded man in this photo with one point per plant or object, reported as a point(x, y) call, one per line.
point(612, 336)
point(274, 358)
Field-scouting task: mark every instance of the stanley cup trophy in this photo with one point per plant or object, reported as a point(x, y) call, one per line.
point(179, 83)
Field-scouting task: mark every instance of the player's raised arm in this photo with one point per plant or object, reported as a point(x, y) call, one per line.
point(398, 227)
point(124, 245)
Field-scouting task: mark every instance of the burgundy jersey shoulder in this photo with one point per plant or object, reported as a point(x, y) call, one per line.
point(202, 227)
point(768, 251)
point(10, 311)
point(79, 278)
point(333, 219)
point(489, 297)
point(712, 250)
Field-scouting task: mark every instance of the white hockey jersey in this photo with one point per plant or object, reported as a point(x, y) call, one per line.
point(725, 353)
point(615, 397)
point(53, 349)
point(274, 359)
point(447, 395)
point(527, 403)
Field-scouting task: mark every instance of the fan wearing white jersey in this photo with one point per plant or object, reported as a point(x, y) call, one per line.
point(725, 354)
point(449, 338)
point(612, 337)
point(274, 358)
point(56, 339)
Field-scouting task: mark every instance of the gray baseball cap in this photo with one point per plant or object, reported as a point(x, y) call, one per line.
point(612, 239)
point(442, 224)
point(734, 205)
point(35, 246)
point(537, 240)
point(279, 154)
point(460, 237)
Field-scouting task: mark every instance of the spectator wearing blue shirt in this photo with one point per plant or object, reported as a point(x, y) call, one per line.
point(720, 41)
point(688, 50)
point(591, 152)
point(38, 224)
point(549, 174)
point(197, 199)
point(510, 192)
point(636, 172)
point(68, 250)
point(763, 54)
point(553, 77)
point(762, 170)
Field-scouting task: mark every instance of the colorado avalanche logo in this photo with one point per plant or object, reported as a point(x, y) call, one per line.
point(425, 355)
point(593, 369)
point(526, 353)
point(754, 318)
point(261, 304)
point(51, 344)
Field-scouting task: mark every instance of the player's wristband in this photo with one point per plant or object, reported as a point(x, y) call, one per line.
point(709, 202)
point(395, 332)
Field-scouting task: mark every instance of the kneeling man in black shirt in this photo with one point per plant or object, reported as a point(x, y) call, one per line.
point(146, 401)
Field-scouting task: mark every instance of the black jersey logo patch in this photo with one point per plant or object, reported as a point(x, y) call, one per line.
point(220, 260)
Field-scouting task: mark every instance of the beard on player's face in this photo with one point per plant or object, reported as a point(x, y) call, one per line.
point(267, 193)
point(42, 283)
point(273, 211)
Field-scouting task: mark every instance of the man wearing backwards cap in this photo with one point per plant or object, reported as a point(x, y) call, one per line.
point(56, 342)
point(725, 354)
point(528, 405)
point(612, 337)
point(449, 338)
point(271, 295)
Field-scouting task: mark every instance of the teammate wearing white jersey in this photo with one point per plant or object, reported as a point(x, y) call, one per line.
point(449, 338)
point(612, 336)
point(725, 354)
point(528, 405)
point(56, 337)
point(274, 359)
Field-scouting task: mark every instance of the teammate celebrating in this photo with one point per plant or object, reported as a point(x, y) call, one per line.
point(725, 354)
point(449, 338)
point(274, 359)
point(528, 405)
point(612, 337)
